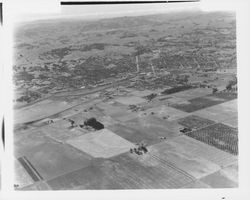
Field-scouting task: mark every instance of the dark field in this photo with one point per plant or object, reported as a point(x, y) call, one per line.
point(195, 122)
point(204, 102)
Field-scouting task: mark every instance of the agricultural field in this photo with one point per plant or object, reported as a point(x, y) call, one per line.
point(204, 102)
point(219, 136)
point(195, 122)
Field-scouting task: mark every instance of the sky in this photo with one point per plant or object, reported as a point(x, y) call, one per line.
point(32, 10)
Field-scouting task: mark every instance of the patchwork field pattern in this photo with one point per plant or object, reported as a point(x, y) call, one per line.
point(164, 114)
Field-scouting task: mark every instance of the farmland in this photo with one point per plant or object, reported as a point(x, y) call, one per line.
point(145, 102)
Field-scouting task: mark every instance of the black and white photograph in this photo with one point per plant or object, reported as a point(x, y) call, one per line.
point(125, 95)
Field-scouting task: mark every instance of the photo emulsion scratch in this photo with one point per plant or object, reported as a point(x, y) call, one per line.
point(135, 100)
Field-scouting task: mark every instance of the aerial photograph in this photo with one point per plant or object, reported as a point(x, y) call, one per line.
point(145, 101)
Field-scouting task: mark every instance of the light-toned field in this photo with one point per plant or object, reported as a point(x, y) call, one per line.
point(37, 186)
point(25, 141)
point(141, 93)
point(219, 180)
point(197, 184)
point(130, 100)
point(101, 144)
point(173, 100)
point(21, 177)
point(176, 154)
point(61, 131)
point(224, 112)
point(110, 108)
point(165, 112)
point(116, 111)
point(192, 93)
point(151, 172)
point(202, 150)
point(231, 121)
point(39, 110)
